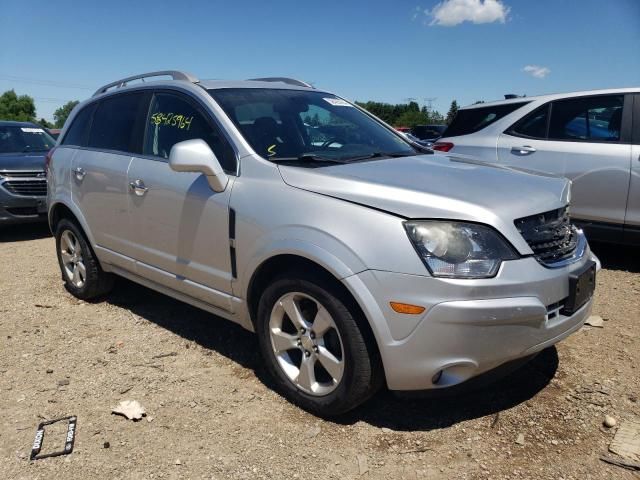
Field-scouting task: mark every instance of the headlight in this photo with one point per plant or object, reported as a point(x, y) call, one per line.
point(457, 249)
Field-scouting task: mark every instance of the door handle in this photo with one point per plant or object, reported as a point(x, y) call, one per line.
point(522, 151)
point(79, 172)
point(137, 187)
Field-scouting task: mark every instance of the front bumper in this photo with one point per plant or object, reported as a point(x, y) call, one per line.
point(469, 326)
point(21, 209)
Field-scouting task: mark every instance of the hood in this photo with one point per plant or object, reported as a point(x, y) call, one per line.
point(22, 161)
point(438, 186)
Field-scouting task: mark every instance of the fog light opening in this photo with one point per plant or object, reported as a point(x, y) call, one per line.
point(437, 377)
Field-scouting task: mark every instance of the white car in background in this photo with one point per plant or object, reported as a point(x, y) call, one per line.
point(592, 138)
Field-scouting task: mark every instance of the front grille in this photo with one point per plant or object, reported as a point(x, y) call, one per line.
point(27, 188)
point(550, 235)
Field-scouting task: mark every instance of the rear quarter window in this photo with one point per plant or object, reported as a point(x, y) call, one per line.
point(78, 133)
point(473, 120)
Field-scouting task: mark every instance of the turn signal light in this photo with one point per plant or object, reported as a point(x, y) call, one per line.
point(406, 308)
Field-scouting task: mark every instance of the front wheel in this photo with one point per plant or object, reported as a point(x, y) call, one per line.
point(314, 347)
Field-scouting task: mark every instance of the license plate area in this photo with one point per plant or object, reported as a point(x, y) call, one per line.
point(582, 284)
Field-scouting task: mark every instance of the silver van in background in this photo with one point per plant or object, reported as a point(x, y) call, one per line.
point(359, 259)
point(592, 138)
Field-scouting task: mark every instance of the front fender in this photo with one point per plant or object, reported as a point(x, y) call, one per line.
point(314, 245)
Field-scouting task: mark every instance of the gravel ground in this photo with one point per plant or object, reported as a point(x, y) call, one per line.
point(212, 413)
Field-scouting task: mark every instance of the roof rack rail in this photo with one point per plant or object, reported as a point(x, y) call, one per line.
point(290, 81)
point(174, 74)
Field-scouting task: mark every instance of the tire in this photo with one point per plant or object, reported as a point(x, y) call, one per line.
point(336, 390)
point(75, 256)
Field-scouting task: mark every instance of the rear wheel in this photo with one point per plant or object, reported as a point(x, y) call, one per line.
point(313, 346)
point(81, 272)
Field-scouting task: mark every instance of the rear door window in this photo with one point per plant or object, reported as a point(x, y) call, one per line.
point(472, 120)
point(78, 132)
point(172, 119)
point(114, 123)
point(597, 119)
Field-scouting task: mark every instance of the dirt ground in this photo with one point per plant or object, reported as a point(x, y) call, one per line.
point(212, 413)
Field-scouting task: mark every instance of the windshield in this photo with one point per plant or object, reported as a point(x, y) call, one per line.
point(297, 125)
point(25, 139)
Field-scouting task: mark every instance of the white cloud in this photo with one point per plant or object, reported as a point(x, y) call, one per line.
point(537, 71)
point(449, 13)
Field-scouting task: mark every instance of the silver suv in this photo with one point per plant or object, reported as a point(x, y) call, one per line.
point(357, 258)
point(592, 138)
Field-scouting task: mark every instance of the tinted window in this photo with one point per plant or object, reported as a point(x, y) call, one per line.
point(533, 125)
point(29, 138)
point(173, 119)
point(591, 118)
point(78, 132)
point(296, 125)
point(114, 122)
point(474, 119)
point(428, 131)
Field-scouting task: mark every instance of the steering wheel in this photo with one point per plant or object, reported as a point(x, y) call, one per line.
point(332, 141)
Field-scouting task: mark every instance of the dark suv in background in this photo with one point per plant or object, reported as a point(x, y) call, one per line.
point(23, 183)
point(428, 133)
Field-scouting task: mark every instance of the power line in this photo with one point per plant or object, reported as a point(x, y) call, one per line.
point(51, 100)
point(46, 83)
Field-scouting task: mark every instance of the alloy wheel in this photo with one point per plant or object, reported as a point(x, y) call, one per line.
point(306, 343)
point(72, 259)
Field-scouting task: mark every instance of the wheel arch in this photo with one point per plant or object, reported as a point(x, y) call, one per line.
point(60, 210)
point(280, 264)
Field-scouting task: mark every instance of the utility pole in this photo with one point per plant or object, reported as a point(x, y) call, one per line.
point(429, 101)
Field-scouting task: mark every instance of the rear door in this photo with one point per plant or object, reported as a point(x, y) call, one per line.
point(585, 139)
point(632, 220)
point(180, 225)
point(99, 174)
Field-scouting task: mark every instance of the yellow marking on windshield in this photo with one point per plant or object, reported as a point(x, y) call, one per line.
point(272, 150)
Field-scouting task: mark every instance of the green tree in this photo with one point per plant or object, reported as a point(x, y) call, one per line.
point(411, 118)
point(45, 123)
point(436, 118)
point(61, 114)
point(452, 112)
point(18, 108)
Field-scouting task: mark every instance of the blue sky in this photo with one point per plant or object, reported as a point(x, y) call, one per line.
point(363, 50)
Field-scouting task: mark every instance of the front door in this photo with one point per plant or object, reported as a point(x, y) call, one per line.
point(180, 225)
point(581, 139)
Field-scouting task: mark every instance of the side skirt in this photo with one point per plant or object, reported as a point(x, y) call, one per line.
point(238, 318)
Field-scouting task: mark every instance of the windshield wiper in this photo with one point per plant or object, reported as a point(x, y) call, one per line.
point(307, 157)
point(379, 155)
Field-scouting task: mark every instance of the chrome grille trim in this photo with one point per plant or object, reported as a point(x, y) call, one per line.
point(26, 187)
point(23, 174)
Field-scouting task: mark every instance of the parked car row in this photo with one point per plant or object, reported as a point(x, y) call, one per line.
point(359, 259)
point(23, 184)
point(592, 138)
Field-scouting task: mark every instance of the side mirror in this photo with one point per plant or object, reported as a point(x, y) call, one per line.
point(196, 156)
